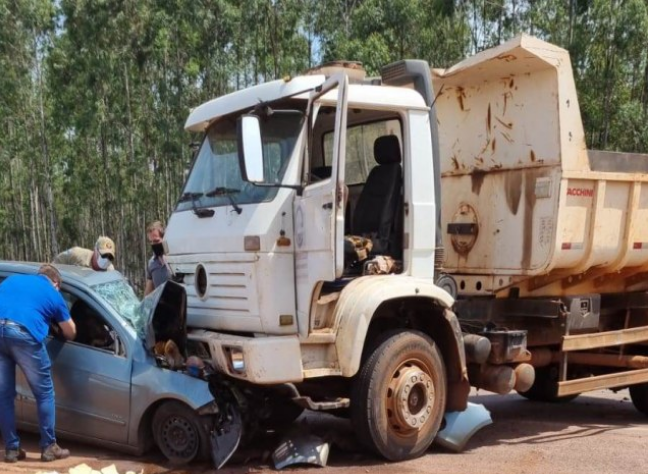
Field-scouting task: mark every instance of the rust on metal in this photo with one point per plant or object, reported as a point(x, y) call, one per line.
point(507, 57)
point(508, 125)
point(477, 179)
point(604, 339)
point(507, 137)
point(455, 162)
point(607, 360)
point(488, 120)
point(461, 94)
point(513, 190)
point(631, 377)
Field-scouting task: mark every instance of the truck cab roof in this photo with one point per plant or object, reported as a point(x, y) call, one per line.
point(369, 96)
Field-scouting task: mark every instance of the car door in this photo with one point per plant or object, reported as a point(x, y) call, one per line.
point(92, 377)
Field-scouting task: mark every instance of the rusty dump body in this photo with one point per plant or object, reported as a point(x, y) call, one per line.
point(524, 204)
point(547, 241)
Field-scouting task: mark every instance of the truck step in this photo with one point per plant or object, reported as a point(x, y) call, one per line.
point(604, 339)
point(631, 377)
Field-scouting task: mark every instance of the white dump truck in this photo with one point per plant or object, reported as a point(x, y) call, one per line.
point(377, 245)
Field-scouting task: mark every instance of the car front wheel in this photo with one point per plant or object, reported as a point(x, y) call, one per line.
point(179, 433)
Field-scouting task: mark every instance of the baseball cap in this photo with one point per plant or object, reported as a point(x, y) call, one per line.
point(105, 245)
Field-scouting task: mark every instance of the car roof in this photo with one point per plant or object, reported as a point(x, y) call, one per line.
point(70, 273)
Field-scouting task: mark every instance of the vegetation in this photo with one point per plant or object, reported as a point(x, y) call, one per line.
point(94, 93)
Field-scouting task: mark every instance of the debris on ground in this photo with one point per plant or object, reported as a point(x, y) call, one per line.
point(85, 469)
point(461, 425)
point(301, 449)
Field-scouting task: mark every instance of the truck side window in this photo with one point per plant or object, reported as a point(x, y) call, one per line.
point(359, 148)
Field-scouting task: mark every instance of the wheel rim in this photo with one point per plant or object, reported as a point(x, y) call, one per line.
point(179, 437)
point(410, 398)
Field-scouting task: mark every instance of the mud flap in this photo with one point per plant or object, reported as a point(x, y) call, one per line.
point(225, 437)
point(461, 425)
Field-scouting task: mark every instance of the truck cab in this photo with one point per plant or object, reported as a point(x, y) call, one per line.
point(305, 236)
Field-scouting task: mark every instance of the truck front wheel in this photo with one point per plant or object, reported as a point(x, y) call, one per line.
point(399, 396)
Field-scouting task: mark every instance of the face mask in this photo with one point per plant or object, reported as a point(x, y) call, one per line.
point(158, 249)
point(103, 263)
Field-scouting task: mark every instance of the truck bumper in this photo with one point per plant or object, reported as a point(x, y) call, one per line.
point(262, 360)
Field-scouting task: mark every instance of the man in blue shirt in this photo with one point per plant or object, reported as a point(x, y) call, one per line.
point(28, 304)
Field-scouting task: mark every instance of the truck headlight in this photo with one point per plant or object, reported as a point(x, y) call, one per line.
point(236, 359)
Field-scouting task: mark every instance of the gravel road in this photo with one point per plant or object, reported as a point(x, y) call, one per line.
point(599, 432)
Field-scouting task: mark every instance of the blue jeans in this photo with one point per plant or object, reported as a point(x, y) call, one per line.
point(18, 347)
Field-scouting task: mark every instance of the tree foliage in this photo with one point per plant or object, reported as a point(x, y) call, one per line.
point(94, 94)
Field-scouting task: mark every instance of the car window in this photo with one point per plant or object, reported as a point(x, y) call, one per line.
point(92, 328)
point(121, 297)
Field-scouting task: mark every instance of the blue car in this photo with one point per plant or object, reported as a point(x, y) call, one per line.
point(111, 388)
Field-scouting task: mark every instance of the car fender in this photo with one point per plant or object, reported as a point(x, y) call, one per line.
point(151, 384)
point(358, 303)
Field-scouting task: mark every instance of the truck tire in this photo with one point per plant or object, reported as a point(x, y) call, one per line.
point(399, 396)
point(639, 397)
point(545, 387)
point(179, 433)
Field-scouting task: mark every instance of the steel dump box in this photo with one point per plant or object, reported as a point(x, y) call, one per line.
point(524, 204)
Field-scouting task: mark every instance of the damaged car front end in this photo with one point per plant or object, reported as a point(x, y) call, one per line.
point(160, 321)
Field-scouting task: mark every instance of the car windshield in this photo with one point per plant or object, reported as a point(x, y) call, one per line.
point(215, 178)
point(120, 296)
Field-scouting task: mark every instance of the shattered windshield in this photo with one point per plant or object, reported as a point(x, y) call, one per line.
point(121, 297)
point(215, 178)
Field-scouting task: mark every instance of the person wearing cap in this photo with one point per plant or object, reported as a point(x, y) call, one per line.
point(99, 259)
point(157, 270)
point(28, 305)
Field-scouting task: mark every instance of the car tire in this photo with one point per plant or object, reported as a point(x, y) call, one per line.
point(399, 396)
point(180, 433)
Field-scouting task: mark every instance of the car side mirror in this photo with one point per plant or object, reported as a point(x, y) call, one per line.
point(250, 149)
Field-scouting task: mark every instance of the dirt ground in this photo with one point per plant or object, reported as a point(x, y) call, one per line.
point(600, 432)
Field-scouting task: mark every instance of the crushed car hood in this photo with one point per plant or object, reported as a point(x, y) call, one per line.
point(163, 316)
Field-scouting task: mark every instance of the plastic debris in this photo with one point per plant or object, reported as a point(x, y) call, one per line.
point(461, 425)
point(301, 449)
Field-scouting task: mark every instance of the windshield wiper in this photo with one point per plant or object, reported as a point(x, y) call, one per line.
point(223, 191)
point(199, 212)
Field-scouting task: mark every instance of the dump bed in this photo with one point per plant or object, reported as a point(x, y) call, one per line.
point(523, 205)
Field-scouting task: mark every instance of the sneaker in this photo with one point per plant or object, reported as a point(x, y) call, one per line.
point(15, 455)
point(53, 452)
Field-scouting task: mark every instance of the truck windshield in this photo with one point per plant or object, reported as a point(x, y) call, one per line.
point(215, 178)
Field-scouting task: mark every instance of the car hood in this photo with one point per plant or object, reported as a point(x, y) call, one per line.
point(163, 316)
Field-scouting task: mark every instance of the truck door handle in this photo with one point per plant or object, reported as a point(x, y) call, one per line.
point(327, 205)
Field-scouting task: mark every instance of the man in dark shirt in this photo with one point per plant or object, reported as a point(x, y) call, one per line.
point(28, 304)
point(157, 270)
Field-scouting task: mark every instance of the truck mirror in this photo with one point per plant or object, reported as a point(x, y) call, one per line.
point(250, 149)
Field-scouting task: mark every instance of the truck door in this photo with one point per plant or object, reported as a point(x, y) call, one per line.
point(319, 211)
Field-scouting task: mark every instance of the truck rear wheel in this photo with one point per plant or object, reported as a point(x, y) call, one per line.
point(545, 387)
point(639, 397)
point(399, 396)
